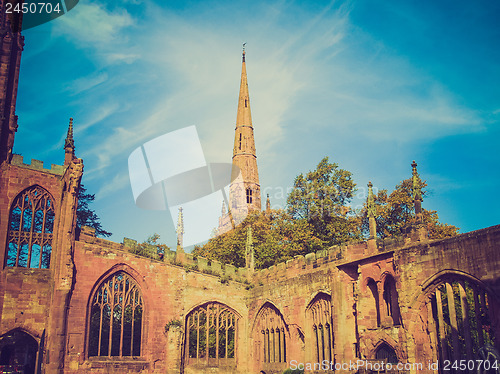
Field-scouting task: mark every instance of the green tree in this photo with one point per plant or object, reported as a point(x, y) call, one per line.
point(321, 199)
point(276, 236)
point(395, 214)
point(85, 216)
point(151, 248)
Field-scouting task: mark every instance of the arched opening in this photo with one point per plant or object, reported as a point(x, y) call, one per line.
point(271, 338)
point(115, 323)
point(18, 353)
point(391, 300)
point(385, 353)
point(31, 226)
point(461, 319)
point(372, 286)
point(211, 335)
point(319, 313)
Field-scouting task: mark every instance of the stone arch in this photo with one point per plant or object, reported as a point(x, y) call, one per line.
point(31, 226)
point(271, 337)
point(211, 335)
point(315, 294)
point(267, 303)
point(319, 324)
point(116, 315)
point(19, 348)
point(212, 300)
point(460, 315)
point(385, 351)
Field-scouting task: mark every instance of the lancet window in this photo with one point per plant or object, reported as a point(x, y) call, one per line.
point(273, 334)
point(249, 196)
point(212, 329)
point(319, 312)
point(115, 326)
point(31, 225)
point(461, 317)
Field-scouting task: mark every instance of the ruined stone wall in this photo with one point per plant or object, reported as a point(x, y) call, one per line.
point(169, 292)
point(34, 299)
point(25, 294)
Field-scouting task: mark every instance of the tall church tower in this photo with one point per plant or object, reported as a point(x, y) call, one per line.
point(244, 155)
point(244, 191)
point(11, 47)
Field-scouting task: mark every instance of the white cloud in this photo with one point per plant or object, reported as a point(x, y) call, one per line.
point(86, 83)
point(90, 25)
point(302, 80)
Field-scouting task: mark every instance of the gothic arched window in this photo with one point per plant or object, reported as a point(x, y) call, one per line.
point(461, 318)
point(211, 331)
point(273, 335)
point(31, 225)
point(319, 313)
point(115, 325)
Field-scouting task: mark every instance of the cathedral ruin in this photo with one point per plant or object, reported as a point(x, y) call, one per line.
point(74, 303)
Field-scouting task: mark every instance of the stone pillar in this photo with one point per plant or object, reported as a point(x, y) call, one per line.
point(174, 349)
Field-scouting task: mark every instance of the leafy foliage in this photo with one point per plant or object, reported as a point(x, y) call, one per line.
point(85, 216)
point(151, 248)
point(395, 214)
point(317, 217)
point(276, 238)
point(321, 199)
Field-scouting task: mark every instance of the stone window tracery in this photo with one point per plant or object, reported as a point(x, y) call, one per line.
point(115, 325)
point(461, 318)
point(211, 331)
point(319, 313)
point(273, 335)
point(31, 225)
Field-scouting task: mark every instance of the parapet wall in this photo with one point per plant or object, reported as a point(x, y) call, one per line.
point(18, 160)
point(284, 270)
point(179, 259)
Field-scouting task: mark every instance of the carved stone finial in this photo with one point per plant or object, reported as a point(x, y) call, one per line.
point(370, 203)
point(69, 142)
point(249, 250)
point(180, 229)
point(416, 184)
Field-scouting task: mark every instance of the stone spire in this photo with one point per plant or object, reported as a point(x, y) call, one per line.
point(180, 230)
point(268, 204)
point(244, 155)
point(370, 207)
point(69, 144)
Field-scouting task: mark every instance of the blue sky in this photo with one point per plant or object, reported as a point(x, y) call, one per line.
point(372, 85)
